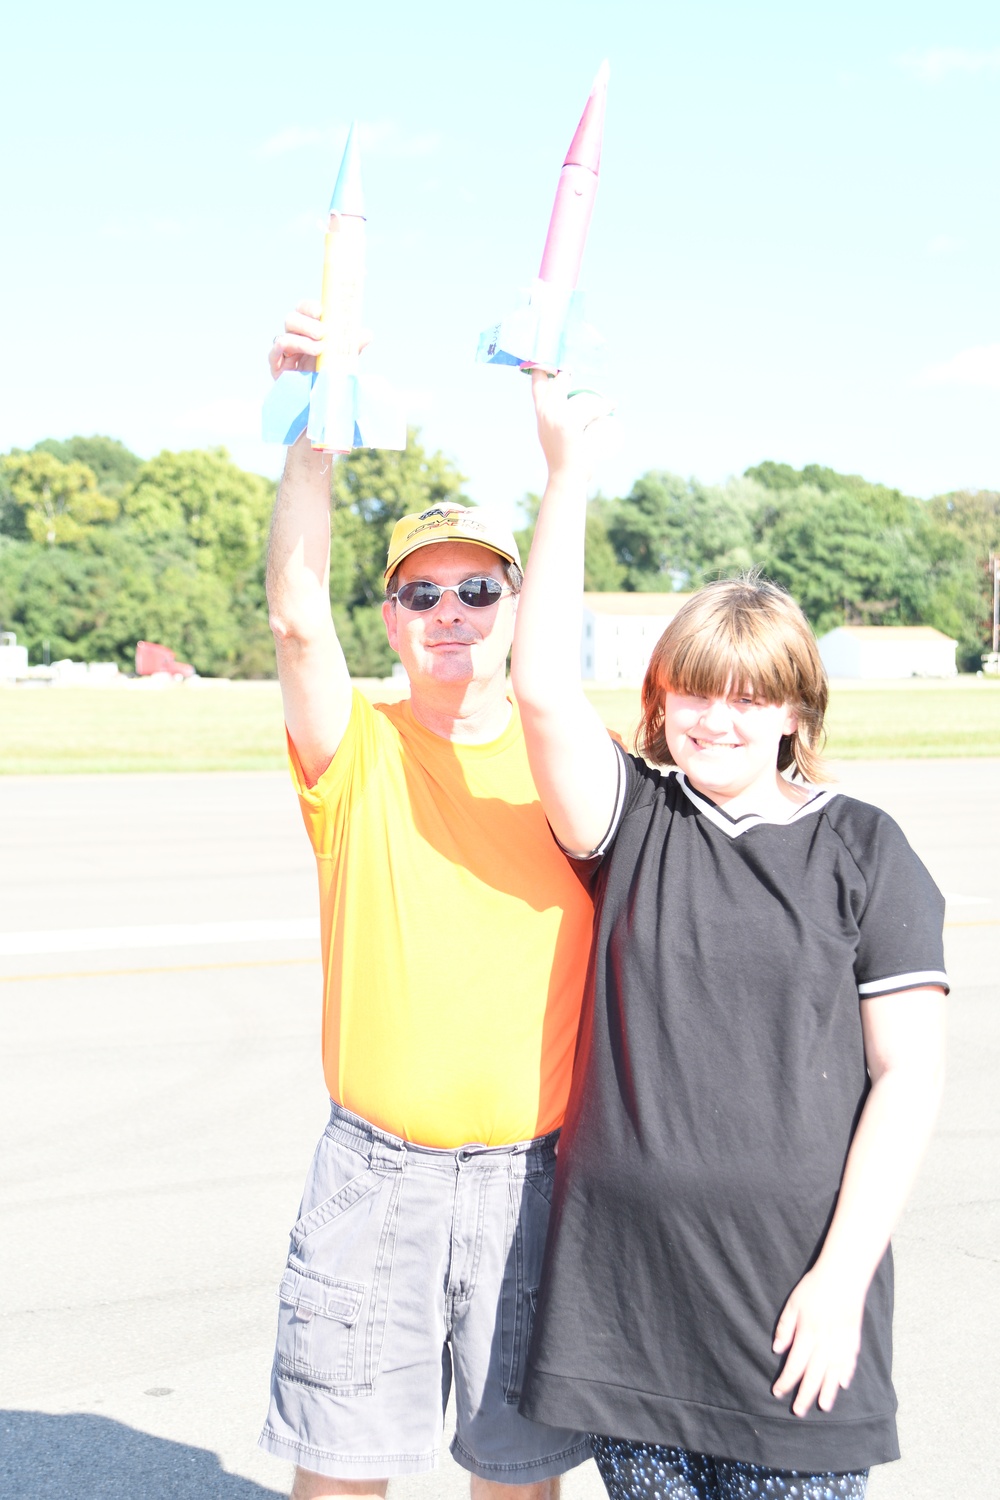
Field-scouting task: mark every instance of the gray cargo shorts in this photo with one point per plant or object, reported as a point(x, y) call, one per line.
point(410, 1268)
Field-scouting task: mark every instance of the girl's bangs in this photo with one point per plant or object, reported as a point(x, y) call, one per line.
point(711, 664)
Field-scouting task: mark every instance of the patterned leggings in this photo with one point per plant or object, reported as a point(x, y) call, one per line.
point(645, 1471)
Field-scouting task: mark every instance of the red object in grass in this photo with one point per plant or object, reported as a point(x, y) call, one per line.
point(151, 658)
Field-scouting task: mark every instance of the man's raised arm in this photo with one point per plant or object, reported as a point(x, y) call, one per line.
point(315, 686)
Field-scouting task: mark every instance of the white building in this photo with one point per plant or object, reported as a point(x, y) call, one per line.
point(888, 651)
point(620, 631)
point(13, 658)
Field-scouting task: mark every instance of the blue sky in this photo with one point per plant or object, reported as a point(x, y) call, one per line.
point(793, 255)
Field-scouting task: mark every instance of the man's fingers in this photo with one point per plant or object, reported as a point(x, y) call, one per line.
point(303, 325)
point(292, 352)
point(297, 348)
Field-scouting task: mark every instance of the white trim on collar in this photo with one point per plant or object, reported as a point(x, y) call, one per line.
point(735, 826)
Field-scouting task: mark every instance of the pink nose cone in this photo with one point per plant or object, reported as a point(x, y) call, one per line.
point(574, 203)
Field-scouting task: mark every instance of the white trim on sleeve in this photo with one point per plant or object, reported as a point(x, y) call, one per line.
point(601, 848)
point(916, 981)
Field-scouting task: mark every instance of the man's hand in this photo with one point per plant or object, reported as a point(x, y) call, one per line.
point(569, 427)
point(302, 341)
point(820, 1331)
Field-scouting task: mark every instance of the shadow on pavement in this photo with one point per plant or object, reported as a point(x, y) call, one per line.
point(83, 1457)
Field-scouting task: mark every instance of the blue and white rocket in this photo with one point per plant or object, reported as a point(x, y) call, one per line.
point(336, 406)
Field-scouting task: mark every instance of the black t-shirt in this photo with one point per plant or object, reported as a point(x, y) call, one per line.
point(718, 1083)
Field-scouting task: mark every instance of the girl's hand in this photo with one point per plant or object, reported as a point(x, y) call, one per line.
point(569, 427)
point(820, 1332)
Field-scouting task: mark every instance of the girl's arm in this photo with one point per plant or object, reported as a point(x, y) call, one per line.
point(820, 1326)
point(573, 760)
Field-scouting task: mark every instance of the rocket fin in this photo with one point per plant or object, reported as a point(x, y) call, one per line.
point(547, 330)
point(379, 417)
point(348, 412)
point(286, 409)
point(332, 408)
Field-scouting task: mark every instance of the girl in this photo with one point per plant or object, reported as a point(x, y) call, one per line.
point(760, 1059)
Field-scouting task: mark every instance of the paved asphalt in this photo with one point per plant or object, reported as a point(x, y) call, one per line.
point(160, 1095)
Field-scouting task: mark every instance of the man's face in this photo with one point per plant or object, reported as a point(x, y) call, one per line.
point(451, 642)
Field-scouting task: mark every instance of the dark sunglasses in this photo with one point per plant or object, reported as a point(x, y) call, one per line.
point(477, 593)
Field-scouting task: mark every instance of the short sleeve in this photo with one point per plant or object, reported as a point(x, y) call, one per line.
point(324, 804)
point(633, 787)
point(900, 945)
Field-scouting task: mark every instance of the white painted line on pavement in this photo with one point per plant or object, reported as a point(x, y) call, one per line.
point(167, 935)
point(240, 963)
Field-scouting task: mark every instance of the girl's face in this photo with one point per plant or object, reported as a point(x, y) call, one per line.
point(726, 746)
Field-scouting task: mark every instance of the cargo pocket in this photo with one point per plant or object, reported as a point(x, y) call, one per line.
point(335, 1291)
point(317, 1329)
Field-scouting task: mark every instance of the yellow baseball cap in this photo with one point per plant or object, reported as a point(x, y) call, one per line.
point(449, 523)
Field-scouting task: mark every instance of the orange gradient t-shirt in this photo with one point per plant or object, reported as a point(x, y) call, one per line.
point(455, 934)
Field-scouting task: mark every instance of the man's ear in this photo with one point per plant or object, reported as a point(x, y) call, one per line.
point(389, 619)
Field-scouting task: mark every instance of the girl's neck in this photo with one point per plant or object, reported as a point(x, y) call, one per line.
point(774, 800)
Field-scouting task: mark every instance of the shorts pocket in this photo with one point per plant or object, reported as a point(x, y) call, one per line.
point(339, 1177)
point(333, 1299)
point(318, 1328)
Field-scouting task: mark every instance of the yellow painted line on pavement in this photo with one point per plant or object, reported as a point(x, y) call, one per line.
point(249, 963)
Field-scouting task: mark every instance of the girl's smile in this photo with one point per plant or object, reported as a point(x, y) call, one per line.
point(728, 747)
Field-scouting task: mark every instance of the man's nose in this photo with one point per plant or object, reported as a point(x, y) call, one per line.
point(449, 606)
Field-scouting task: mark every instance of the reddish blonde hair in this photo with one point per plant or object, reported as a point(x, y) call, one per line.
point(748, 632)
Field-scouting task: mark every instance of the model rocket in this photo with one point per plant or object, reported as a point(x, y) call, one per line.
point(337, 406)
point(547, 332)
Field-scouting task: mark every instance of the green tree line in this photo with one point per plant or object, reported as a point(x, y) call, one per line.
point(99, 549)
point(850, 552)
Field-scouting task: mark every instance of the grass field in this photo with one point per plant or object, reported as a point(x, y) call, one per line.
point(223, 726)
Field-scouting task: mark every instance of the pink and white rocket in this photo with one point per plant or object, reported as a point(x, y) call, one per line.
point(338, 407)
point(547, 332)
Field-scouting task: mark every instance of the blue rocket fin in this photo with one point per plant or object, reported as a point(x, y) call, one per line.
point(339, 409)
point(286, 409)
point(547, 329)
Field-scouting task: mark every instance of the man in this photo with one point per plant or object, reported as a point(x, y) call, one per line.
point(455, 939)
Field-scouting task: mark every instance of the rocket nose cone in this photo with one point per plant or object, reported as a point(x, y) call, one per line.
point(585, 147)
point(348, 197)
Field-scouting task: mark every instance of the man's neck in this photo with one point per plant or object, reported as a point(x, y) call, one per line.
point(469, 715)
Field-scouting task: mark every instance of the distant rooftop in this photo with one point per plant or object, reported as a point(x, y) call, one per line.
point(634, 604)
point(891, 632)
